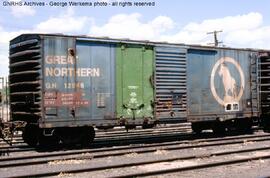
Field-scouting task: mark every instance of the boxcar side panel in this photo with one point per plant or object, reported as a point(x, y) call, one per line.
point(55, 59)
point(219, 84)
point(170, 83)
point(134, 68)
point(78, 81)
point(99, 83)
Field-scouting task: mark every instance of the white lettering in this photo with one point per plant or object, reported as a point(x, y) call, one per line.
point(57, 72)
point(48, 72)
point(50, 85)
point(80, 72)
point(59, 60)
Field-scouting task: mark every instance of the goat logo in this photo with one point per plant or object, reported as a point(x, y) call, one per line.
point(228, 81)
point(232, 91)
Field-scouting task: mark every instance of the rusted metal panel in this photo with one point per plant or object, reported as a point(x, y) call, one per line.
point(170, 83)
point(219, 83)
point(78, 80)
point(99, 81)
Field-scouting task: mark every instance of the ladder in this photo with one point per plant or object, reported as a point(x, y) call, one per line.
point(254, 87)
point(264, 82)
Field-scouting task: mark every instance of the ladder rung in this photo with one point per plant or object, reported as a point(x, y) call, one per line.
point(265, 84)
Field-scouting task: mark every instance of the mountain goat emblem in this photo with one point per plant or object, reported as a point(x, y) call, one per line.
point(232, 91)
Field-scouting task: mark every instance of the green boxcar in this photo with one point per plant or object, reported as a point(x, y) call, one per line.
point(134, 89)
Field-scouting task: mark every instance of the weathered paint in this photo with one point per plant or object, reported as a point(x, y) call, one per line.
point(170, 83)
point(264, 85)
point(134, 71)
point(78, 80)
point(49, 84)
point(25, 67)
point(219, 84)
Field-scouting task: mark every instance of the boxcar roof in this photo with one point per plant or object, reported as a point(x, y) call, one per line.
point(144, 42)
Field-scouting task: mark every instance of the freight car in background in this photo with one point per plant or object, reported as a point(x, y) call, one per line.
point(64, 86)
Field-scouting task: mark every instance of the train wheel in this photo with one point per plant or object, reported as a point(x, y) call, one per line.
point(30, 135)
point(48, 141)
point(77, 135)
point(148, 126)
point(196, 127)
point(130, 127)
point(88, 136)
point(69, 136)
point(244, 125)
point(219, 128)
point(265, 124)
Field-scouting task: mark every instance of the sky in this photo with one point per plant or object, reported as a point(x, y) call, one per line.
point(245, 23)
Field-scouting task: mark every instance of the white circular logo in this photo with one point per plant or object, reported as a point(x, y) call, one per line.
point(231, 93)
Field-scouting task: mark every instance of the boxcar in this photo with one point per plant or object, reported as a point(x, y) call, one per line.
point(64, 86)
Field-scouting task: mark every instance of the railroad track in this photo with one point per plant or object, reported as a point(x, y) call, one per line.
point(186, 168)
point(143, 149)
point(135, 132)
point(100, 142)
point(109, 140)
point(118, 132)
point(16, 139)
point(116, 136)
point(119, 141)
